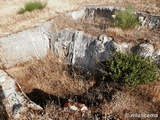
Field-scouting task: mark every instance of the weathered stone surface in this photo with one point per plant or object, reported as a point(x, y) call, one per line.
point(90, 13)
point(78, 48)
point(34, 43)
point(152, 21)
point(106, 12)
point(24, 46)
point(17, 104)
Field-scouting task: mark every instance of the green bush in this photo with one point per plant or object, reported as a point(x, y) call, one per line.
point(30, 6)
point(34, 5)
point(131, 69)
point(126, 19)
point(21, 11)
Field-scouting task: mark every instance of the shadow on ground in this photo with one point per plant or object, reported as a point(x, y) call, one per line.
point(99, 93)
point(3, 113)
point(42, 98)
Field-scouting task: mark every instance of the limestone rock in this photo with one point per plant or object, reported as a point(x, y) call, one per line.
point(17, 104)
point(107, 12)
point(80, 49)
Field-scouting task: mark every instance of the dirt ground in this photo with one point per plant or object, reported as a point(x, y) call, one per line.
point(11, 21)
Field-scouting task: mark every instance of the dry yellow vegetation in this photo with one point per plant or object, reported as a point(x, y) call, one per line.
point(11, 21)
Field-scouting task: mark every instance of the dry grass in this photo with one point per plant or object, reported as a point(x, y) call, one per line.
point(50, 76)
point(62, 22)
point(150, 92)
point(123, 102)
point(99, 26)
point(128, 102)
point(11, 22)
point(56, 112)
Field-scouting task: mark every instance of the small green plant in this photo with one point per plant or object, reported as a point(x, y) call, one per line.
point(30, 6)
point(21, 11)
point(130, 69)
point(126, 19)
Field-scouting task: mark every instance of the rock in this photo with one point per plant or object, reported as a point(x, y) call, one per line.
point(17, 104)
point(144, 49)
point(14, 48)
point(154, 22)
point(75, 106)
point(90, 13)
point(78, 14)
point(80, 49)
point(107, 13)
point(76, 109)
point(25, 45)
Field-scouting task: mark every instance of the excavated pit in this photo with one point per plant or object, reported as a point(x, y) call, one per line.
point(50, 61)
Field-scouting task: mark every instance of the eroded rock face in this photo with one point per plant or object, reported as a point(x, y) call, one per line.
point(24, 46)
point(35, 42)
point(17, 104)
point(78, 48)
point(107, 12)
point(152, 21)
point(90, 13)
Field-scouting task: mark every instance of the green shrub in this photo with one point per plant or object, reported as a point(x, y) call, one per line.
point(126, 19)
point(30, 6)
point(131, 69)
point(21, 11)
point(34, 5)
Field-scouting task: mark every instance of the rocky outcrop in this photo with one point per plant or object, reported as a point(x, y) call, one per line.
point(35, 42)
point(17, 104)
point(106, 12)
point(152, 21)
point(78, 48)
point(24, 46)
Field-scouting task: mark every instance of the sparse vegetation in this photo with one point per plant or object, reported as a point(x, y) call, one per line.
point(50, 83)
point(131, 69)
point(30, 6)
point(21, 11)
point(126, 19)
